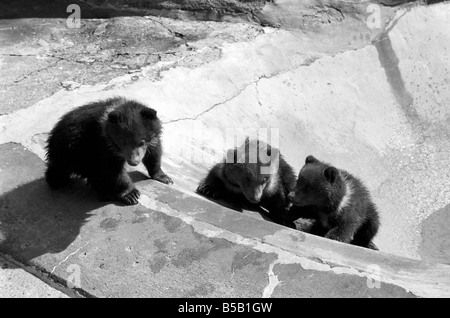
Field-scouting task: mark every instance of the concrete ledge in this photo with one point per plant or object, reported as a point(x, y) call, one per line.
point(17, 283)
point(294, 247)
point(173, 245)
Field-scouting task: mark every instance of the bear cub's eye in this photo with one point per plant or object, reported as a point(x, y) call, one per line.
point(142, 143)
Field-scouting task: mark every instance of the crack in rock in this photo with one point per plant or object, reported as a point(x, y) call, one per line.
point(239, 92)
point(212, 107)
point(67, 257)
point(174, 33)
point(50, 65)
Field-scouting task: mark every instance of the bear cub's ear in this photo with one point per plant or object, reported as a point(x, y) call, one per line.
point(115, 117)
point(311, 159)
point(331, 173)
point(148, 113)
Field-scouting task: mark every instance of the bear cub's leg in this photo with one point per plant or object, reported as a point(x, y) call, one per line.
point(366, 233)
point(152, 161)
point(212, 186)
point(343, 232)
point(120, 187)
point(128, 194)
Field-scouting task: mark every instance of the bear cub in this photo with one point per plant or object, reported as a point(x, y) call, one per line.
point(338, 201)
point(256, 172)
point(95, 140)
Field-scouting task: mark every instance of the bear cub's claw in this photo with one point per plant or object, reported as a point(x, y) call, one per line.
point(162, 177)
point(207, 191)
point(131, 198)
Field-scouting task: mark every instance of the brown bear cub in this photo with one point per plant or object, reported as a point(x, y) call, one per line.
point(254, 172)
point(339, 201)
point(95, 140)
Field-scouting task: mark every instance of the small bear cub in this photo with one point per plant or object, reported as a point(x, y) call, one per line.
point(255, 170)
point(95, 140)
point(338, 200)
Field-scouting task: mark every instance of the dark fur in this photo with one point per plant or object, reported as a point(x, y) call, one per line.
point(95, 140)
point(244, 180)
point(319, 193)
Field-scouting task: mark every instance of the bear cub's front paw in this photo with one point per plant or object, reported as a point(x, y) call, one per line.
point(333, 235)
point(131, 198)
point(162, 177)
point(207, 191)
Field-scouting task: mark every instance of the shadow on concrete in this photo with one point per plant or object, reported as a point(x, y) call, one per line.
point(299, 219)
point(54, 9)
point(137, 176)
point(89, 9)
point(34, 220)
point(435, 244)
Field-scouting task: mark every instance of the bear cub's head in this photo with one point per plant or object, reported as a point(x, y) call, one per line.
point(131, 128)
point(250, 169)
point(318, 184)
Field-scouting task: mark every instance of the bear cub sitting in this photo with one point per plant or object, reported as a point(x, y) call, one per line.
point(95, 140)
point(261, 181)
point(338, 201)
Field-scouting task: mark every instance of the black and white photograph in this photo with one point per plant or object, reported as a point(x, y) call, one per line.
point(224, 155)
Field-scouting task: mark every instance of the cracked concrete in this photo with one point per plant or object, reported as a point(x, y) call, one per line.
point(238, 93)
point(91, 57)
point(205, 77)
point(67, 257)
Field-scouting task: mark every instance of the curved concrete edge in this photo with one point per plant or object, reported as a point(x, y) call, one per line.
point(171, 245)
point(293, 247)
point(165, 247)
